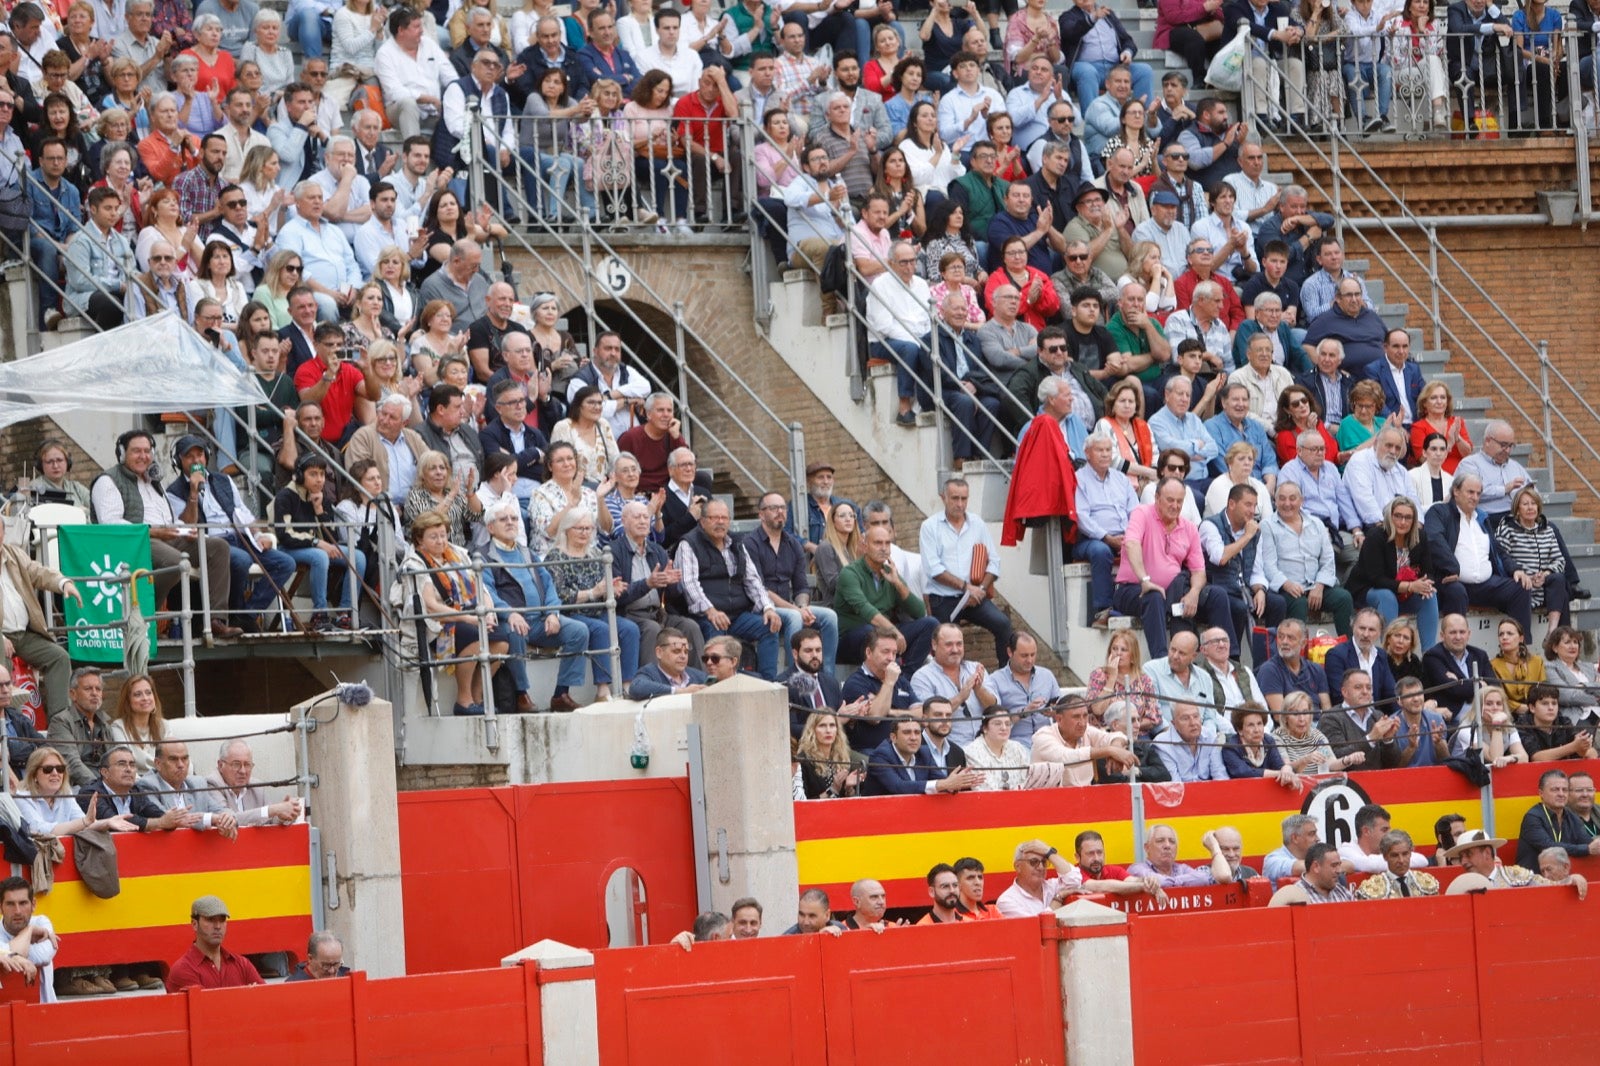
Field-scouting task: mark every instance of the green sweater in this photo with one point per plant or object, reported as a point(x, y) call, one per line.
point(860, 594)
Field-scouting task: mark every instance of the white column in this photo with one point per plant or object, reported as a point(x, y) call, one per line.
point(1096, 988)
point(566, 1008)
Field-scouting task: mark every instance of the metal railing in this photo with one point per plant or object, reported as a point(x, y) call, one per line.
point(781, 446)
point(1474, 334)
point(1422, 83)
point(653, 174)
point(856, 311)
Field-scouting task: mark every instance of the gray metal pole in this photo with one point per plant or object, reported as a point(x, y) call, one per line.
point(797, 477)
point(184, 573)
point(475, 138)
point(617, 679)
point(1433, 284)
point(485, 678)
point(1544, 396)
point(680, 354)
point(935, 338)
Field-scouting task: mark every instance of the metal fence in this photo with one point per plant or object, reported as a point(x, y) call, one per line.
point(1420, 82)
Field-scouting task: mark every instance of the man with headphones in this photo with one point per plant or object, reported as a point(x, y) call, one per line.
point(199, 494)
point(128, 495)
point(304, 517)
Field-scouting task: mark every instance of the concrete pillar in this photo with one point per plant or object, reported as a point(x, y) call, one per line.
point(354, 804)
point(567, 1010)
point(744, 739)
point(1096, 987)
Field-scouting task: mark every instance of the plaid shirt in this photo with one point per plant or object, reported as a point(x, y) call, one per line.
point(197, 192)
point(793, 82)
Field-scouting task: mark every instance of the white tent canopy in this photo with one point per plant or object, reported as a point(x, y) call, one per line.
point(148, 366)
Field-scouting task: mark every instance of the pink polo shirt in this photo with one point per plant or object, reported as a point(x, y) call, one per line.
point(1165, 554)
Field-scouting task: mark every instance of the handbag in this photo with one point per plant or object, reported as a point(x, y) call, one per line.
point(833, 275)
point(15, 210)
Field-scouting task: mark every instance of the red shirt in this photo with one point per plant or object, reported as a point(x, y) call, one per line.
point(339, 402)
point(652, 456)
point(691, 107)
point(194, 970)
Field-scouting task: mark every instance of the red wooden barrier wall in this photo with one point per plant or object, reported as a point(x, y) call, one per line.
point(985, 992)
point(534, 860)
point(1501, 977)
point(482, 1017)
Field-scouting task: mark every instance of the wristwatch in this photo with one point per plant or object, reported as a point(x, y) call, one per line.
point(1049, 853)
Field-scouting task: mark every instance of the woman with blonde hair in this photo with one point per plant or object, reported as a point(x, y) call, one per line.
point(1436, 413)
point(366, 318)
point(359, 27)
point(439, 490)
point(828, 768)
point(1146, 268)
point(1485, 728)
point(138, 720)
point(283, 273)
point(1532, 544)
point(841, 546)
point(47, 804)
point(265, 201)
point(1121, 679)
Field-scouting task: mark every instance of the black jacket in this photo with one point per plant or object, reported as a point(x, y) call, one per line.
point(655, 555)
point(1441, 526)
point(26, 739)
point(1443, 678)
point(1075, 24)
point(440, 443)
point(495, 437)
point(797, 682)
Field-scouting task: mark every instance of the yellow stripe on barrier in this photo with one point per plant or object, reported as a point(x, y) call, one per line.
point(264, 892)
point(1263, 832)
point(893, 857)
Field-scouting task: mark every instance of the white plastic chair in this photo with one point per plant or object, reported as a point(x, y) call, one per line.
point(45, 518)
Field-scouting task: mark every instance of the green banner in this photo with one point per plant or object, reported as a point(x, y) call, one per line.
point(87, 553)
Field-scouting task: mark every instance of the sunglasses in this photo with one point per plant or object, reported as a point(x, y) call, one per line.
point(712, 659)
point(1077, 258)
point(52, 769)
point(292, 269)
point(233, 203)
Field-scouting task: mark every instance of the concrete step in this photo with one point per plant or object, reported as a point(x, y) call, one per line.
point(1393, 315)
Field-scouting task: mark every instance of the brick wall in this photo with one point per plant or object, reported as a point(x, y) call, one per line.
point(1539, 276)
point(423, 778)
point(19, 443)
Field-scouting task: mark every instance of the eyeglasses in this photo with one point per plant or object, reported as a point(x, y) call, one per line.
point(712, 659)
point(1200, 249)
point(514, 402)
point(1061, 118)
point(324, 74)
point(8, 104)
point(163, 258)
point(1173, 157)
point(1053, 348)
point(772, 507)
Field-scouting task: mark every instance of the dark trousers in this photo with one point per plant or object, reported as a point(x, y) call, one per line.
point(1497, 594)
point(985, 615)
point(103, 311)
point(1154, 610)
point(1196, 51)
point(918, 634)
point(1273, 612)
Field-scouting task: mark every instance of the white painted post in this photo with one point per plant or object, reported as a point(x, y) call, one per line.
point(1096, 987)
point(566, 1008)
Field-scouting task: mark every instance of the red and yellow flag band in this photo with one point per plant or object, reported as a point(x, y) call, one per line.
point(897, 839)
point(264, 877)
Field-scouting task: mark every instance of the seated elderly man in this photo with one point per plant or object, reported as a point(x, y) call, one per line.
point(1399, 876)
point(1479, 853)
point(1289, 860)
point(1176, 426)
point(871, 901)
point(1163, 571)
point(1297, 556)
point(1189, 750)
point(1034, 891)
point(1161, 861)
point(724, 588)
point(172, 787)
point(248, 802)
point(1105, 501)
point(1374, 476)
point(971, 396)
point(119, 795)
point(898, 323)
point(1074, 745)
point(1324, 496)
point(1289, 671)
point(1470, 570)
point(1555, 867)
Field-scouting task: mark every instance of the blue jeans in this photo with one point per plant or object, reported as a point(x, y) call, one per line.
point(909, 369)
point(648, 173)
point(1099, 556)
point(305, 26)
point(600, 648)
point(572, 639)
point(320, 564)
point(1088, 76)
point(47, 257)
point(562, 171)
point(279, 566)
point(827, 624)
point(1385, 83)
point(1389, 607)
point(751, 629)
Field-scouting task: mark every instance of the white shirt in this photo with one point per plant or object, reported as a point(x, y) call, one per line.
point(1398, 374)
point(898, 310)
point(107, 502)
point(1015, 903)
point(1472, 551)
point(403, 77)
point(957, 105)
point(682, 66)
point(1351, 853)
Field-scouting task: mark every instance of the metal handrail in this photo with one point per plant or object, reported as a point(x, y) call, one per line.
point(591, 239)
point(1339, 145)
point(942, 412)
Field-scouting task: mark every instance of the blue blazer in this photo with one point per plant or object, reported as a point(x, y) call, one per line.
point(1342, 658)
point(1442, 526)
point(1378, 370)
point(885, 778)
point(652, 681)
point(495, 437)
